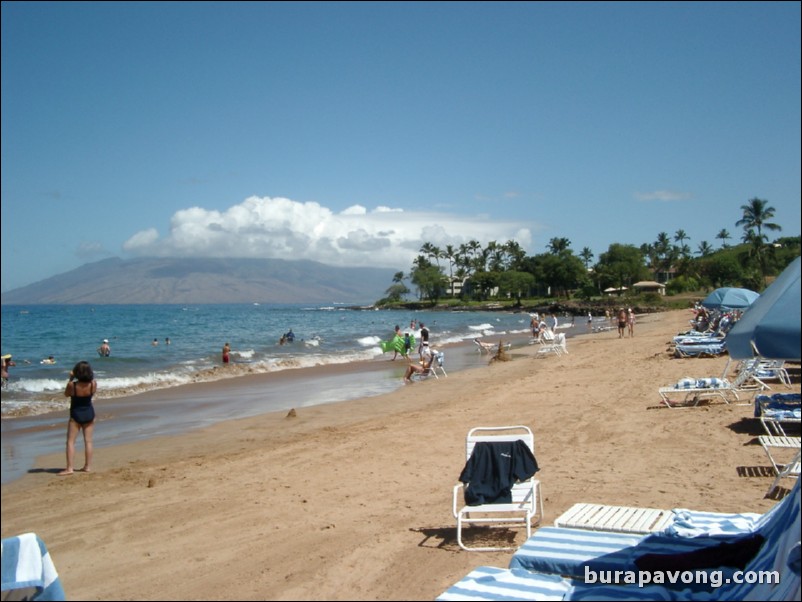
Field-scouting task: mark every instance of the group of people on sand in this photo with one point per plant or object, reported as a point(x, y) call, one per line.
point(626, 322)
point(425, 353)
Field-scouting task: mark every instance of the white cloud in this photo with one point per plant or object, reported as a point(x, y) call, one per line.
point(663, 195)
point(285, 229)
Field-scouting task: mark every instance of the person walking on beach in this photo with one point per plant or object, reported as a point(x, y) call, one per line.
point(104, 350)
point(226, 354)
point(80, 389)
point(631, 322)
point(622, 322)
point(424, 339)
point(396, 336)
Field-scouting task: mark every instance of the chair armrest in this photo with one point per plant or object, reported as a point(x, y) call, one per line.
point(456, 502)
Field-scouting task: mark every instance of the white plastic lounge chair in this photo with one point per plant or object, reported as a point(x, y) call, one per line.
point(484, 347)
point(771, 445)
point(764, 370)
point(779, 529)
point(711, 349)
point(616, 519)
point(692, 390)
point(28, 571)
point(555, 344)
point(524, 494)
point(689, 391)
point(437, 365)
point(642, 521)
point(779, 409)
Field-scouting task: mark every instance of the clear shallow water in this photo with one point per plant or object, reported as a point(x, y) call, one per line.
point(323, 335)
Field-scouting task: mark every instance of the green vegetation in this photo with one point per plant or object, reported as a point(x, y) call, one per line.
point(503, 276)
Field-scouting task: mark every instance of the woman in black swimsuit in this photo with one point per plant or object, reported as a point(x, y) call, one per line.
point(80, 389)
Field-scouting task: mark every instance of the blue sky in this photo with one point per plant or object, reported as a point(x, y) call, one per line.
point(352, 133)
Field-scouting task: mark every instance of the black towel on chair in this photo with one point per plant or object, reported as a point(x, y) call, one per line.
point(492, 470)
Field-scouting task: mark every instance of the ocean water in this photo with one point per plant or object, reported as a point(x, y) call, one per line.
point(323, 335)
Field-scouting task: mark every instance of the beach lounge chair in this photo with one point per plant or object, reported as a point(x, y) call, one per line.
point(616, 519)
point(777, 555)
point(772, 446)
point(437, 365)
point(764, 370)
point(692, 390)
point(555, 343)
point(776, 410)
point(28, 570)
point(710, 349)
point(642, 521)
point(484, 347)
point(502, 456)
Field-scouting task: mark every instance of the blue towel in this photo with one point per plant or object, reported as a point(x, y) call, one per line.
point(27, 566)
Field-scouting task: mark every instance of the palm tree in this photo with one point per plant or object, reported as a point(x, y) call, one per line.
point(586, 255)
point(515, 255)
point(705, 249)
point(556, 245)
point(431, 251)
point(450, 254)
point(680, 236)
point(723, 235)
point(755, 214)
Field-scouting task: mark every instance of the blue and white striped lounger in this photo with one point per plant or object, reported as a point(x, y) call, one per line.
point(490, 583)
point(780, 553)
point(643, 521)
point(28, 571)
point(700, 350)
point(570, 552)
point(777, 409)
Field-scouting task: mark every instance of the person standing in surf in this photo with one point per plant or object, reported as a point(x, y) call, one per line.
point(80, 389)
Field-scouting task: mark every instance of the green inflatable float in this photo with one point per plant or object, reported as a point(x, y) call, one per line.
point(397, 344)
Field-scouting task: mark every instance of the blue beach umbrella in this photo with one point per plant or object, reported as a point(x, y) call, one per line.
point(730, 298)
point(770, 328)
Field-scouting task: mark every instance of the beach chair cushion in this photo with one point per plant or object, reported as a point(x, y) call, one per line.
point(491, 583)
point(711, 383)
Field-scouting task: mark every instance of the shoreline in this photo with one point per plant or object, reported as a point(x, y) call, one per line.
point(352, 500)
point(182, 408)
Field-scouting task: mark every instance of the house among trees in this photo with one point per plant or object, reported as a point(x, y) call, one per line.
point(650, 286)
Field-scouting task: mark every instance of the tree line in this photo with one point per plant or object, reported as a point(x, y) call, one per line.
point(472, 271)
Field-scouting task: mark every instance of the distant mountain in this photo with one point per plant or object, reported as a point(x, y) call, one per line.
point(118, 281)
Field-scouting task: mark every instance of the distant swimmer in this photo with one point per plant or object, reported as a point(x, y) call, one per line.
point(48, 360)
point(104, 350)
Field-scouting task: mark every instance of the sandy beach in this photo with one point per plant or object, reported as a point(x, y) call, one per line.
point(352, 500)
